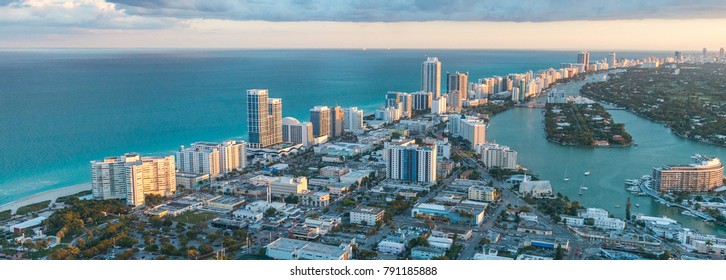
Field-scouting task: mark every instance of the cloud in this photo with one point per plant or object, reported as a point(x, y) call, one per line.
point(83, 14)
point(427, 10)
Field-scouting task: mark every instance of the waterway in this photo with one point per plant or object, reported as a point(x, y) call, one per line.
point(522, 129)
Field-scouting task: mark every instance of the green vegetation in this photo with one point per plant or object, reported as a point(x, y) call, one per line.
point(5, 215)
point(584, 125)
point(63, 199)
point(32, 207)
point(692, 103)
point(71, 221)
point(194, 217)
point(556, 206)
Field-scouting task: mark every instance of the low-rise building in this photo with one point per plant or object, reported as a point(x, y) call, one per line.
point(442, 243)
point(484, 193)
point(333, 171)
point(292, 249)
point(426, 253)
point(316, 199)
point(192, 180)
point(286, 186)
point(225, 203)
point(572, 220)
point(364, 215)
point(533, 227)
point(392, 246)
point(537, 189)
point(454, 214)
point(527, 216)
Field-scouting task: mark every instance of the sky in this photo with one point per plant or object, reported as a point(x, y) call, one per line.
point(426, 24)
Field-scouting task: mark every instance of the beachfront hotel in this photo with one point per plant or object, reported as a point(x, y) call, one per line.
point(132, 177)
point(320, 117)
point(264, 119)
point(704, 175)
point(212, 158)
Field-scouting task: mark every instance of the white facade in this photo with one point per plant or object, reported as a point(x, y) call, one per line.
point(483, 193)
point(294, 131)
point(438, 106)
point(198, 160)
point(353, 119)
point(292, 249)
point(426, 253)
point(410, 163)
point(391, 247)
point(474, 132)
point(536, 189)
point(366, 215)
point(431, 76)
point(232, 154)
point(494, 155)
point(285, 186)
point(131, 177)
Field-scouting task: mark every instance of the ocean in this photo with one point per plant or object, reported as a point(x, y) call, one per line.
point(61, 108)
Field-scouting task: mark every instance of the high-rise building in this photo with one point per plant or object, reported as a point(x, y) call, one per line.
point(705, 175)
point(393, 98)
point(274, 107)
point(132, 177)
point(264, 118)
point(406, 105)
point(474, 132)
point(431, 76)
point(454, 100)
point(108, 177)
point(494, 155)
point(410, 162)
point(294, 131)
point(353, 119)
point(150, 175)
point(705, 51)
point(198, 159)
point(320, 117)
point(721, 53)
point(232, 154)
point(421, 100)
point(458, 82)
point(337, 119)
point(470, 128)
point(584, 58)
point(612, 60)
point(679, 55)
point(438, 106)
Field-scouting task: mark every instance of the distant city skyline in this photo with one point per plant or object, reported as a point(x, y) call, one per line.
point(665, 25)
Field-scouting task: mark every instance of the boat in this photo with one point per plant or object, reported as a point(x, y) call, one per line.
point(587, 173)
point(582, 188)
point(566, 179)
point(637, 205)
point(617, 205)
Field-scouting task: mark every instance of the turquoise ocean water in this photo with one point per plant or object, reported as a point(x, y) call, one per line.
point(60, 109)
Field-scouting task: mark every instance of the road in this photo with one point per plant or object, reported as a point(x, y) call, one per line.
point(509, 197)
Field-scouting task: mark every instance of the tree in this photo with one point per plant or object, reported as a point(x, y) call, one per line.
point(192, 253)
point(558, 252)
point(205, 249)
point(270, 212)
point(627, 209)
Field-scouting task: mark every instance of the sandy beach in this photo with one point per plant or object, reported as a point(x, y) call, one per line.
point(47, 195)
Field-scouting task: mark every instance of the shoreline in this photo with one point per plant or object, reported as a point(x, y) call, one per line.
point(51, 195)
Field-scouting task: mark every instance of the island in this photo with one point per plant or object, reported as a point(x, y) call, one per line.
point(688, 98)
point(584, 124)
